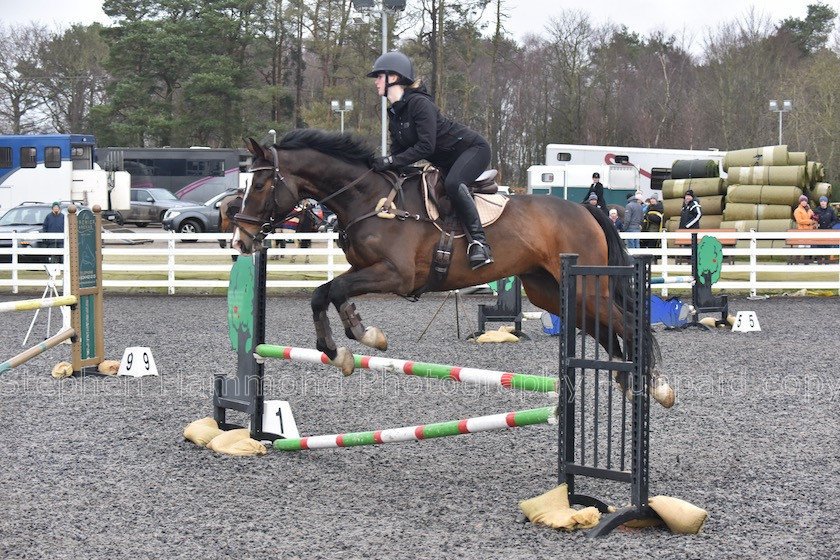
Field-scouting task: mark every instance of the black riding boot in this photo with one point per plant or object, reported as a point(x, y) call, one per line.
point(478, 252)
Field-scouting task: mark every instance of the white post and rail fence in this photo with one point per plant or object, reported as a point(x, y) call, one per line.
point(171, 263)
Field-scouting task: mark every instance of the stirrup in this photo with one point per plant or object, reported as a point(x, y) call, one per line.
point(479, 257)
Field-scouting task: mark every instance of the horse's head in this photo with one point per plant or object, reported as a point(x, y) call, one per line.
point(267, 200)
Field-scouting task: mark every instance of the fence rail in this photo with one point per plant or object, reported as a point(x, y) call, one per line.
point(181, 263)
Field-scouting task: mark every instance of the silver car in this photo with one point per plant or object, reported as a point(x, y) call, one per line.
point(149, 204)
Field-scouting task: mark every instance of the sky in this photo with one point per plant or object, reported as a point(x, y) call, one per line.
point(679, 17)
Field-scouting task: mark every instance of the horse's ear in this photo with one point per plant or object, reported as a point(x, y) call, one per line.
point(255, 148)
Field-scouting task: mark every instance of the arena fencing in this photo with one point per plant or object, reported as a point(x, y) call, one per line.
point(167, 262)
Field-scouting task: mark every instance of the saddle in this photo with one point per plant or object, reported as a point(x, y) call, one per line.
point(484, 190)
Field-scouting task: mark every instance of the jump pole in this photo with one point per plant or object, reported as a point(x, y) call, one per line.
point(27, 355)
point(30, 304)
point(474, 376)
point(502, 421)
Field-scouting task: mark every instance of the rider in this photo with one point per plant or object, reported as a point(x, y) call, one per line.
point(419, 131)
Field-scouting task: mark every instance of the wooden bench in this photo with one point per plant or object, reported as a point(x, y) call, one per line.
point(724, 241)
point(819, 239)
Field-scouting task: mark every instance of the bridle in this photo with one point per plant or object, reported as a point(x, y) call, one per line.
point(266, 227)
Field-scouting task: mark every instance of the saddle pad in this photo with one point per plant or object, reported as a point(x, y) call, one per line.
point(489, 207)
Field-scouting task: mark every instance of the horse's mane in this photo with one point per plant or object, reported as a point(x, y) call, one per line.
point(342, 146)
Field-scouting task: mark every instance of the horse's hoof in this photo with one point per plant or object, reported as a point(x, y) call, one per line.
point(662, 392)
point(375, 338)
point(344, 361)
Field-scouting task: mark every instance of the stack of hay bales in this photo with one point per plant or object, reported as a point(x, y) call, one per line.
point(701, 176)
point(764, 186)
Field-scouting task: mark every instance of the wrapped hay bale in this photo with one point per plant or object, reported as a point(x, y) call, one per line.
point(815, 172)
point(759, 225)
point(768, 155)
point(709, 204)
point(764, 194)
point(706, 222)
point(694, 169)
point(749, 211)
point(820, 189)
point(675, 188)
point(797, 158)
point(782, 175)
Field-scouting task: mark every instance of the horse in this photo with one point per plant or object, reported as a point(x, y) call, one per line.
point(395, 255)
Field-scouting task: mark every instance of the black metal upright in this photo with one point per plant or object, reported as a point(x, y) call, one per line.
point(598, 428)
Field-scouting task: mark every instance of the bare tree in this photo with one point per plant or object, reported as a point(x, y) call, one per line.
point(20, 102)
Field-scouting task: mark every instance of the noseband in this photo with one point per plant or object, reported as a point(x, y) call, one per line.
point(266, 227)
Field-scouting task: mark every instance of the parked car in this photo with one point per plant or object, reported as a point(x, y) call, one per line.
point(196, 218)
point(149, 204)
point(27, 218)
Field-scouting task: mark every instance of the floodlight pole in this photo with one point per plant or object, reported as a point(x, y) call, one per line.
point(384, 99)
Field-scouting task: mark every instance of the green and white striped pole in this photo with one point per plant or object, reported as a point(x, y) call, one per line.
point(428, 431)
point(475, 376)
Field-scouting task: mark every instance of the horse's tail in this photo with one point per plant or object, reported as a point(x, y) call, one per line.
point(617, 255)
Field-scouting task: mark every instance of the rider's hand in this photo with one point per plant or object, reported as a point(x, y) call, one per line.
point(382, 163)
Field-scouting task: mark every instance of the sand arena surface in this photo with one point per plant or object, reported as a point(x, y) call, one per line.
point(97, 468)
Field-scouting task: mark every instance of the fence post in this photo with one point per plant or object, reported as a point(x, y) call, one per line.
point(753, 263)
point(170, 246)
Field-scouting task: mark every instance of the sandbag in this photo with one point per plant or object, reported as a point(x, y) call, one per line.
point(795, 175)
point(764, 194)
point(680, 516)
point(694, 169)
point(501, 335)
point(759, 225)
point(797, 158)
point(767, 155)
point(236, 442)
point(553, 509)
point(675, 188)
point(201, 432)
point(748, 211)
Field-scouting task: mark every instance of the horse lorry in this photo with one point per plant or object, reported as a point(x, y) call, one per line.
point(568, 168)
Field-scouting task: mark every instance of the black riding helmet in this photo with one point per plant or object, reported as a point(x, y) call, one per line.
point(394, 62)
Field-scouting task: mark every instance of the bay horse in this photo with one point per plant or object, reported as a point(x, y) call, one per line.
point(395, 255)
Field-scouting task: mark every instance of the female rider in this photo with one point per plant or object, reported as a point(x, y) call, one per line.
point(418, 131)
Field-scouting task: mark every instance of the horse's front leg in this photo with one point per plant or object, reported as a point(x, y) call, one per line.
point(378, 278)
point(339, 357)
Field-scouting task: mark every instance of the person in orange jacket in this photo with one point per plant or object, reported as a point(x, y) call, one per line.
point(804, 216)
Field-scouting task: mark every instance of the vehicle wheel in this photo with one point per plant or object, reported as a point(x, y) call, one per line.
point(118, 219)
point(140, 224)
point(190, 226)
point(162, 214)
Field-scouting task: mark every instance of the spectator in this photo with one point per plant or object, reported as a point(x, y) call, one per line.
point(804, 216)
point(593, 201)
point(598, 189)
point(614, 218)
point(691, 212)
point(632, 220)
point(826, 216)
point(54, 223)
point(653, 221)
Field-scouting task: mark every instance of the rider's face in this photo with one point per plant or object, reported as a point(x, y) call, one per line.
point(380, 83)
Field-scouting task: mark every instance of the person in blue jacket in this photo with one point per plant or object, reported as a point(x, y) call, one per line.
point(419, 131)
